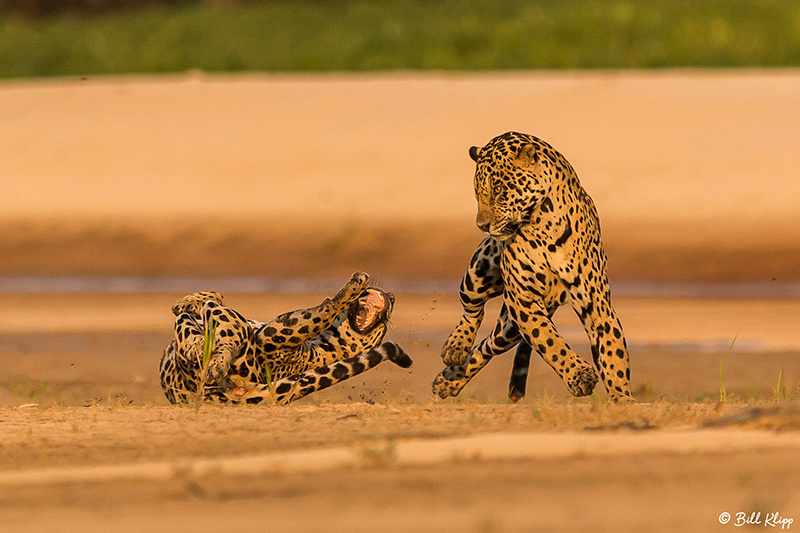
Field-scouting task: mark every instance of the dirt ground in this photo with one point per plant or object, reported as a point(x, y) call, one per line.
point(120, 194)
point(89, 347)
point(103, 450)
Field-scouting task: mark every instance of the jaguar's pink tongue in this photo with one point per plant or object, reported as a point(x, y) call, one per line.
point(372, 305)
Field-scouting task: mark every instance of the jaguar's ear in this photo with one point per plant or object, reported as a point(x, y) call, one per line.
point(527, 156)
point(473, 153)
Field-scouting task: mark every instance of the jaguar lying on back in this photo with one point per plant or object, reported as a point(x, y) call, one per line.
point(293, 355)
point(543, 251)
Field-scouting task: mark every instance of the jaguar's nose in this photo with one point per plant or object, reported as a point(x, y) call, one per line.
point(483, 220)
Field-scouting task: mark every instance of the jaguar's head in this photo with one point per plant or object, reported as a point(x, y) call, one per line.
point(512, 178)
point(371, 311)
point(193, 303)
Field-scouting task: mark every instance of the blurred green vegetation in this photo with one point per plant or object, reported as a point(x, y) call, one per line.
point(335, 35)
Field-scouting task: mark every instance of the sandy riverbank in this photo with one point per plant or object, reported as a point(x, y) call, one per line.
point(694, 173)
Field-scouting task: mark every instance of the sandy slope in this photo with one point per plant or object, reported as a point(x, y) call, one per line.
point(671, 145)
point(694, 173)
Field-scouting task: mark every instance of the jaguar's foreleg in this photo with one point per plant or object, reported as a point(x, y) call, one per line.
point(296, 327)
point(609, 349)
point(538, 330)
point(503, 337)
point(481, 282)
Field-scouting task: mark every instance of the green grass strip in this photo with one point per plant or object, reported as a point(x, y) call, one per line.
point(208, 343)
point(366, 35)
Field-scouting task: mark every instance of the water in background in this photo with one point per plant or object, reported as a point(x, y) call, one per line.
point(122, 284)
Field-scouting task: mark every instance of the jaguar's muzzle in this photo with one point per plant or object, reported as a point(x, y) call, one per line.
point(372, 308)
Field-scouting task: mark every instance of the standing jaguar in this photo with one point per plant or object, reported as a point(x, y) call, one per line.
point(543, 250)
point(293, 355)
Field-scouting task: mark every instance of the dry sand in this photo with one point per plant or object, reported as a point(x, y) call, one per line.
point(694, 175)
point(379, 451)
point(359, 467)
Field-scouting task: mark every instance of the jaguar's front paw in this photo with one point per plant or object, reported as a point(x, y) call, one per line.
point(216, 371)
point(620, 398)
point(449, 382)
point(359, 281)
point(583, 380)
point(356, 285)
point(456, 350)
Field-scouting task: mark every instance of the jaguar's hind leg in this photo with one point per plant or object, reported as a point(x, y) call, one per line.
point(297, 386)
point(519, 373)
point(517, 384)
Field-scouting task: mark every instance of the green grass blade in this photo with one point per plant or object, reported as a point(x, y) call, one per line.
point(208, 342)
point(778, 391)
point(723, 393)
point(270, 382)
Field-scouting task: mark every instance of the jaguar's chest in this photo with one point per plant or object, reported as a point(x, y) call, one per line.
point(529, 274)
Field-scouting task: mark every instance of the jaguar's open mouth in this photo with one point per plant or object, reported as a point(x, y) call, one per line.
point(370, 310)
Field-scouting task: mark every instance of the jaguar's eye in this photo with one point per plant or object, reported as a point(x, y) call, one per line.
point(497, 189)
